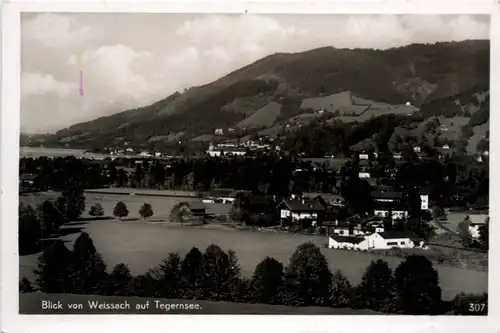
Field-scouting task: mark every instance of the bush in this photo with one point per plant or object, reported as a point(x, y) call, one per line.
point(120, 210)
point(146, 211)
point(96, 210)
point(25, 285)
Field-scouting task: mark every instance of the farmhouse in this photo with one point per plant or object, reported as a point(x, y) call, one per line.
point(379, 196)
point(395, 209)
point(295, 211)
point(376, 241)
point(354, 228)
point(224, 195)
point(475, 222)
point(223, 151)
point(29, 182)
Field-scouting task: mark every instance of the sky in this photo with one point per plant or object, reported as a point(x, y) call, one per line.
point(132, 60)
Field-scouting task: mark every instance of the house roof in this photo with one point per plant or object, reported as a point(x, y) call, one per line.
point(389, 205)
point(396, 234)
point(236, 193)
point(341, 225)
point(425, 190)
point(196, 205)
point(347, 239)
point(387, 195)
point(304, 206)
point(478, 218)
point(28, 176)
point(222, 192)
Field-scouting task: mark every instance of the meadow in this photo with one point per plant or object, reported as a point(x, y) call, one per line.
point(142, 245)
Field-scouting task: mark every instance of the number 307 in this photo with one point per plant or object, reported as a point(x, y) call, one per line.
point(476, 307)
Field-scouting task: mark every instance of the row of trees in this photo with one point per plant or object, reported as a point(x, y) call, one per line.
point(413, 287)
point(456, 181)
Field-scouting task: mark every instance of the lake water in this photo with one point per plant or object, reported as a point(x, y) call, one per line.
point(57, 152)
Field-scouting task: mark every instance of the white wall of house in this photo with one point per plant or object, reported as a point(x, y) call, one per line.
point(375, 241)
point(363, 156)
point(341, 231)
point(213, 153)
point(396, 214)
point(227, 200)
point(364, 175)
point(333, 244)
point(304, 215)
point(424, 200)
point(384, 200)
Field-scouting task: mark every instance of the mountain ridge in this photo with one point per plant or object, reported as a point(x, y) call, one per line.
point(416, 73)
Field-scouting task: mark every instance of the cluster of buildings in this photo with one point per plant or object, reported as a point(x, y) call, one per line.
point(357, 232)
point(239, 148)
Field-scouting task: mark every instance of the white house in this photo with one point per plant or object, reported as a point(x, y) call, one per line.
point(396, 214)
point(364, 174)
point(476, 221)
point(364, 156)
point(297, 210)
point(376, 241)
point(424, 201)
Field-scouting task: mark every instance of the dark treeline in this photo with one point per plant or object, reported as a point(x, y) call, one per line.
point(45, 220)
point(412, 288)
point(453, 181)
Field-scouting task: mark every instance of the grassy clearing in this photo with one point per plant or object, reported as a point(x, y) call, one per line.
point(31, 303)
point(143, 246)
point(479, 134)
point(263, 117)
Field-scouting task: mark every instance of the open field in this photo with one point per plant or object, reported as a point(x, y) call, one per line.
point(263, 117)
point(30, 304)
point(162, 206)
point(143, 245)
point(479, 134)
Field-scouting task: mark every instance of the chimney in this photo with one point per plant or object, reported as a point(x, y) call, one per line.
point(336, 222)
point(303, 201)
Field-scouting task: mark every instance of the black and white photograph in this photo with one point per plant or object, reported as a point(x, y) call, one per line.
point(254, 164)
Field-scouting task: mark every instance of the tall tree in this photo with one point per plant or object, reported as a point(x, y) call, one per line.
point(340, 291)
point(169, 277)
point(89, 270)
point(215, 273)
point(417, 286)
point(50, 217)
point(72, 201)
point(308, 277)
point(29, 230)
point(118, 281)
point(192, 273)
point(376, 287)
point(54, 271)
point(267, 281)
